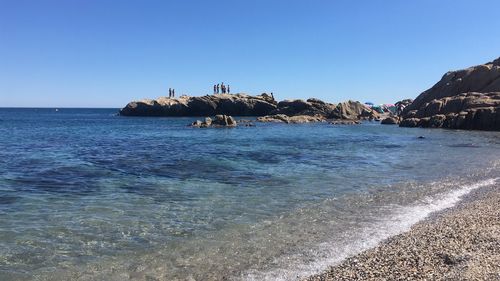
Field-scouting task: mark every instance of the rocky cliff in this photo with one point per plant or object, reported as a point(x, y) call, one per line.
point(463, 99)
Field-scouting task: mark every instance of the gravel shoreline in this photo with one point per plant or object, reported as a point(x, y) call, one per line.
point(461, 243)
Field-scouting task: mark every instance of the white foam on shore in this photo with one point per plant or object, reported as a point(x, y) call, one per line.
point(326, 254)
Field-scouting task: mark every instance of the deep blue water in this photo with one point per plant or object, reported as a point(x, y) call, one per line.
point(89, 195)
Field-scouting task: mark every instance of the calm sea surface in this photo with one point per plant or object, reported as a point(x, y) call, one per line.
point(88, 195)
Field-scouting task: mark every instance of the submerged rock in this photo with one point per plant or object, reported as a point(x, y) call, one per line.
point(282, 118)
point(345, 122)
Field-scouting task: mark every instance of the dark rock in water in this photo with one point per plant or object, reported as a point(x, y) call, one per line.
point(282, 118)
point(225, 104)
point(420, 137)
point(465, 99)
point(218, 121)
point(469, 145)
point(224, 120)
point(391, 120)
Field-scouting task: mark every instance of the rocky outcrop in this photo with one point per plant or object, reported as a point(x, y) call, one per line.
point(218, 121)
point(469, 111)
point(282, 118)
point(405, 102)
point(311, 107)
point(401, 105)
point(482, 79)
point(391, 120)
point(287, 111)
point(464, 99)
point(354, 110)
point(210, 105)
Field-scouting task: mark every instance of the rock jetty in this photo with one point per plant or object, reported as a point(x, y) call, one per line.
point(464, 99)
point(263, 106)
point(209, 105)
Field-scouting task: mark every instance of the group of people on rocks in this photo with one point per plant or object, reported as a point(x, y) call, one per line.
point(171, 93)
point(218, 89)
point(221, 89)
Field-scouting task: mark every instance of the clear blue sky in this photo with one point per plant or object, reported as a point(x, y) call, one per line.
point(103, 53)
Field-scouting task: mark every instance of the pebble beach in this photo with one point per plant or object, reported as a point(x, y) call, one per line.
point(461, 243)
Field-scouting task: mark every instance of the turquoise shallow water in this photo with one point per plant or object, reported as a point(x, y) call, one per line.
point(88, 195)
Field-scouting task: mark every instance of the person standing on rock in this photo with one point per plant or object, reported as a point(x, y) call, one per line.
point(169, 92)
point(218, 86)
point(228, 89)
point(173, 93)
point(215, 89)
point(222, 88)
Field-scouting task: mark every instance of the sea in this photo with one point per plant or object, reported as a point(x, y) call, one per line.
point(86, 194)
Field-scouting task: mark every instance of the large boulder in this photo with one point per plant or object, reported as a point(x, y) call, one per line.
point(354, 110)
point(311, 107)
point(225, 104)
point(463, 99)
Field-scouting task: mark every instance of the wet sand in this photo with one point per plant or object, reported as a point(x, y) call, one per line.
point(461, 243)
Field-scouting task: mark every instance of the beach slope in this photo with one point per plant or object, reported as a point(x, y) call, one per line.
point(462, 243)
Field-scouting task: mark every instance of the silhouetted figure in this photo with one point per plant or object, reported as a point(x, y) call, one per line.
point(272, 96)
point(215, 89)
point(169, 92)
point(222, 88)
point(228, 89)
point(173, 93)
point(218, 87)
